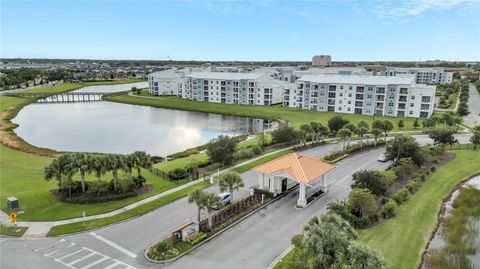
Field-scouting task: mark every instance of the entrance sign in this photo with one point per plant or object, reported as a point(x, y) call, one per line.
point(185, 231)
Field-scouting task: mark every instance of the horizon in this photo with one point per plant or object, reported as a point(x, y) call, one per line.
point(244, 31)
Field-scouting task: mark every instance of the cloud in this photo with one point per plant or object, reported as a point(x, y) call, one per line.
point(417, 7)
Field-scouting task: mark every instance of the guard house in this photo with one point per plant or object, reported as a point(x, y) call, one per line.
point(283, 173)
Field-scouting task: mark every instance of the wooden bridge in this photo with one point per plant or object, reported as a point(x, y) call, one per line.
point(66, 97)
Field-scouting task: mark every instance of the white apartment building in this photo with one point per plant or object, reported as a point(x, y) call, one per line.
point(321, 60)
point(233, 88)
point(434, 75)
point(167, 82)
point(395, 96)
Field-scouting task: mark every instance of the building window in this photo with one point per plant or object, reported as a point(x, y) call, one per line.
point(425, 107)
point(411, 104)
point(426, 99)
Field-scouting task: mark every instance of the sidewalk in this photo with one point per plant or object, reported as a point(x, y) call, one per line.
point(41, 229)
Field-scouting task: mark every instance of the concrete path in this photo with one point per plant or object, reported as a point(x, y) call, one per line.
point(473, 118)
point(41, 229)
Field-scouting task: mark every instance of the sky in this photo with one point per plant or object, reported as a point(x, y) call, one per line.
point(263, 30)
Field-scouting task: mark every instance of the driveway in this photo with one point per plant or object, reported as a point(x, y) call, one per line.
point(473, 119)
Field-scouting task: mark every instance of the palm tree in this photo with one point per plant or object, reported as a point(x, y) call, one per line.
point(361, 130)
point(211, 201)
point(114, 162)
point(387, 127)
point(69, 169)
point(98, 166)
point(230, 181)
point(344, 134)
point(305, 129)
point(376, 133)
point(142, 160)
point(322, 131)
point(198, 197)
point(129, 161)
point(457, 120)
point(315, 127)
point(83, 163)
point(54, 170)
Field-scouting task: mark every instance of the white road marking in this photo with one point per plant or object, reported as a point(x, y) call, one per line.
point(51, 253)
point(95, 262)
point(114, 245)
point(70, 254)
point(82, 258)
point(51, 245)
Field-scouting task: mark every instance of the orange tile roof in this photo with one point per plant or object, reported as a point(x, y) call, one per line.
point(302, 168)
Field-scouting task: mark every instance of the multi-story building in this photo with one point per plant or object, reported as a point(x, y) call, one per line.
point(167, 82)
point(321, 60)
point(395, 96)
point(233, 88)
point(434, 75)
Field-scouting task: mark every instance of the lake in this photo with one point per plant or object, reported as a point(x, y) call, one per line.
point(122, 128)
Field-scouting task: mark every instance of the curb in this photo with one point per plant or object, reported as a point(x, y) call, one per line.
point(216, 234)
point(280, 257)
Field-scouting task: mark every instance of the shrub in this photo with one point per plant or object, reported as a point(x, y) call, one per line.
point(125, 184)
point(162, 246)
point(177, 174)
point(401, 196)
point(256, 150)
point(94, 199)
point(423, 177)
point(413, 186)
point(264, 192)
point(196, 238)
point(139, 181)
point(389, 209)
point(433, 169)
point(98, 187)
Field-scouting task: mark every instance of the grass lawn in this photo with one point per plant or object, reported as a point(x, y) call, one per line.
point(403, 238)
point(11, 232)
point(249, 166)
point(92, 224)
point(296, 116)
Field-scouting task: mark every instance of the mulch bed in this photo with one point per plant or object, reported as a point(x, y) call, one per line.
point(144, 189)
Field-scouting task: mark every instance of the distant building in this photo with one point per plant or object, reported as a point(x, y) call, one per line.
point(233, 88)
point(321, 60)
point(434, 75)
point(391, 96)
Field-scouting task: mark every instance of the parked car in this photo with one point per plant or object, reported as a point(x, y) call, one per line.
point(382, 158)
point(225, 197)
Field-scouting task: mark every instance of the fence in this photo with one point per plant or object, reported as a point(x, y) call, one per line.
point(231, 212)
point(462, 147)
point(190, 175)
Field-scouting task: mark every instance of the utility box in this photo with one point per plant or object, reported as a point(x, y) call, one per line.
point(12, 203)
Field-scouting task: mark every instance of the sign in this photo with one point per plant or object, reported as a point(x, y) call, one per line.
point(185, 231)
point(13, 216)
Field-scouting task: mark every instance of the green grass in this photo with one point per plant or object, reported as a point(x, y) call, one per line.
point(403, 238)
point(11, 232)
point(249, 166)
point(88, 225)
point(296, 116)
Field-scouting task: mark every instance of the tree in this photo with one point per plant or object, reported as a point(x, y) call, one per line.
point(283, 134)
point(83, 162)
point(142, 159)
point(374, 180)
point(322, 131)
point(305, 129)
point(315, 128)
point(130, 162)
point(401, 124)
point(336, 123)
point(444, 137)
point(344, 134)
point(475, 139)
point(404, 166)
point(387, 126)
point(98, 166)
point(230, 181)
point(405, 146)
point(113, 162)
point(361, 130)
point(211, 201)
point(198, 197)
point(416, 124)
point(221, 149)
point(376, 133)
point(447, 119)
point(54, 170)
point(363, 257)
point(429, 123)
point(457, 120)
point(361, 203)
point(378, 124)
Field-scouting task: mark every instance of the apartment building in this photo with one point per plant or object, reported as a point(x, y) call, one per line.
point(395, 96)
point(233, 88)
point(167, 82)
point(434, 75)
point(321, 60)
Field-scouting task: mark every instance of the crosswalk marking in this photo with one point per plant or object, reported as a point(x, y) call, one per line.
point(74, 257)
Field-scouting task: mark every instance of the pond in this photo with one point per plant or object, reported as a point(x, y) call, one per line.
point(121, 128)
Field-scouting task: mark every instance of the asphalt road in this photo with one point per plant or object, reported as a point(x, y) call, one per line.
point(473, 118)
point(253, 243)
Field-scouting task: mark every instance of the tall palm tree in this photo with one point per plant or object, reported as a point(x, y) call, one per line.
point(376, 133)
point(83, 163)
point(69, 169)
point(198, 197)
point(344, 134)
point(113, 163)
point(142, 159)
point(54, 170)
point(322, 131)
point(129, 161)
point(387, 127)
point(361, 130)
point(98, 166)
point(211, 201)
point(230, 181)
point(315, 127)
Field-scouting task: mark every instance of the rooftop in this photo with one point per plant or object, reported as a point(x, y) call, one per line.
point(358, 79)
point(225, 75)
point(302, 168)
